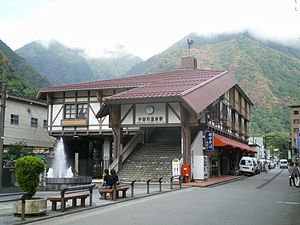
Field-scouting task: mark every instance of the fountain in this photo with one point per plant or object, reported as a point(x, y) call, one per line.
point(58, 175)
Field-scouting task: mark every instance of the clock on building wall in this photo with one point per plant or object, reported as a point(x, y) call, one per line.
point(149, 109)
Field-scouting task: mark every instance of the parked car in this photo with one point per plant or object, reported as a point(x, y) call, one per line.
point(247, 166)
point(271, 164)
point(283, 164)
point(256, 165)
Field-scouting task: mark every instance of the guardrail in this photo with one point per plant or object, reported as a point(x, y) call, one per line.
point(156, 180)
point(22, 198)
point(179, 177)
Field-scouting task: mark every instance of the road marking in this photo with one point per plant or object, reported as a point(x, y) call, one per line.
point(268, 181)
point(288, 203)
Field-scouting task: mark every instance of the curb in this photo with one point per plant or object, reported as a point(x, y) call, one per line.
point(99, 206)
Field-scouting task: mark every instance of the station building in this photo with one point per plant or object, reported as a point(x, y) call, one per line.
point(139, 125)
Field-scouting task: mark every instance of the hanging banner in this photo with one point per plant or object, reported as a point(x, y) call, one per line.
point(209, 140)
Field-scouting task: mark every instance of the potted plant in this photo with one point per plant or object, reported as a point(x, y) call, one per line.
point(28, 170)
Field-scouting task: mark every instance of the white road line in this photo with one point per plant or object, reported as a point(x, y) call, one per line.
point(288, 203)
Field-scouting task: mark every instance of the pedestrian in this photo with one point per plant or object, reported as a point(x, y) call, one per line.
point(291, 174)
point(114, 176)
point(107, 182)
point(265, 166)
point(297, 174)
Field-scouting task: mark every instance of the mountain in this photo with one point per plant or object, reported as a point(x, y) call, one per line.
point(112, 67)
point(268, 72)
point(57, 62)
point(61, 64)
point(23, 79)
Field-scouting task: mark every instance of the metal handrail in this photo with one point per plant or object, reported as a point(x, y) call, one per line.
point(179, 180)
point(132, 187)
point(22, 198)
point(159, 180)
point(148, 182)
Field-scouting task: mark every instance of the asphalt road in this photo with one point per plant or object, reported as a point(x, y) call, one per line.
point(265, 199)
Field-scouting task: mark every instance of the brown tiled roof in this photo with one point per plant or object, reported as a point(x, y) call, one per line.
point(196, 89)
point(168, 84)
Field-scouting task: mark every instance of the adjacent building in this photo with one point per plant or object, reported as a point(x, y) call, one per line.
point(26, 123)
point(141, 124)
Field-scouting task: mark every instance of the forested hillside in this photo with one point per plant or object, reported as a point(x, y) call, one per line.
point(57, 62)
point(62, 65)
point(267, 72)
point(23, 80)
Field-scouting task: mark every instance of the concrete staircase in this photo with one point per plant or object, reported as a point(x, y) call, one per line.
point(150, 161)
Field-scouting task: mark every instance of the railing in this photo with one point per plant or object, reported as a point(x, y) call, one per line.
point(179, 177)
point(155, 180)
point(22, 198)
point(128, 149)
point(132, 187)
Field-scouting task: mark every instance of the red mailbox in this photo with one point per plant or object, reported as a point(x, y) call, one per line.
point(185, 172)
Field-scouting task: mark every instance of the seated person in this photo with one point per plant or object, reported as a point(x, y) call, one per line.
point(107, 182)
point(114, 176)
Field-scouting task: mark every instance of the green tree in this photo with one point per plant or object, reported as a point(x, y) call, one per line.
point(18, 150)
point(28, 170)
point(277, 140)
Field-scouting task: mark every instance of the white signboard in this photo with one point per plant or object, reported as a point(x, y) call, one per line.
point(176, 167)
point(150, 113)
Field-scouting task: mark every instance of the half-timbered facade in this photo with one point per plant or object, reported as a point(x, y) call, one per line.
point(106, 120)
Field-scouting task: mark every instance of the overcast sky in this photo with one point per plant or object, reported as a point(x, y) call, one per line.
point(143, 27)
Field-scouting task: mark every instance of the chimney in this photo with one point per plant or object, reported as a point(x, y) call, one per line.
point(188, 62)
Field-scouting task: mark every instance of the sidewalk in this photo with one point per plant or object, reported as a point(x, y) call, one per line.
point(140, 191)
point(213, 181)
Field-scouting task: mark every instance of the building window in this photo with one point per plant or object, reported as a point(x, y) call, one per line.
point(34, 122)
point(82, 111)
point(76, 111)
point(14, 119)
point(70, 111)
point(45, 124)
point(296, 121)
point(296, 112)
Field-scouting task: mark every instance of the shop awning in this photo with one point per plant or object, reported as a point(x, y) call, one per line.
point(221, 141)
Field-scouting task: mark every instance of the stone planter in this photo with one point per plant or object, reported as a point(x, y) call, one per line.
point(34, 206)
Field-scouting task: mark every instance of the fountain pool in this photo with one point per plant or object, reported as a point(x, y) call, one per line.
point(59, 176)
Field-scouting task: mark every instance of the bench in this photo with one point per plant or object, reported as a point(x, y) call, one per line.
point(73, 196)
point(75, 193)
point(118, 189)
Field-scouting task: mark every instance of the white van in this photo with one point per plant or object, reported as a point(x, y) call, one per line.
point(283, 164)
point(247, 165)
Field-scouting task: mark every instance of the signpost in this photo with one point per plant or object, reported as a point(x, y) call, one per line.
point(209, 140)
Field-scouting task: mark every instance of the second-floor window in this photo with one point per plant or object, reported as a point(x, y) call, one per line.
point(45, 124)
point(296, 121)
point(34, 122)
point(14, 119)
point(76, 111)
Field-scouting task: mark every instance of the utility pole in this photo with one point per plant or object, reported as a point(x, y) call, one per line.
point(2, 117)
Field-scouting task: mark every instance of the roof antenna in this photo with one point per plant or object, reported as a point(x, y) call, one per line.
point(189, 42)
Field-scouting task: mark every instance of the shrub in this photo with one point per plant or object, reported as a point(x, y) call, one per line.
point(28, 170)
